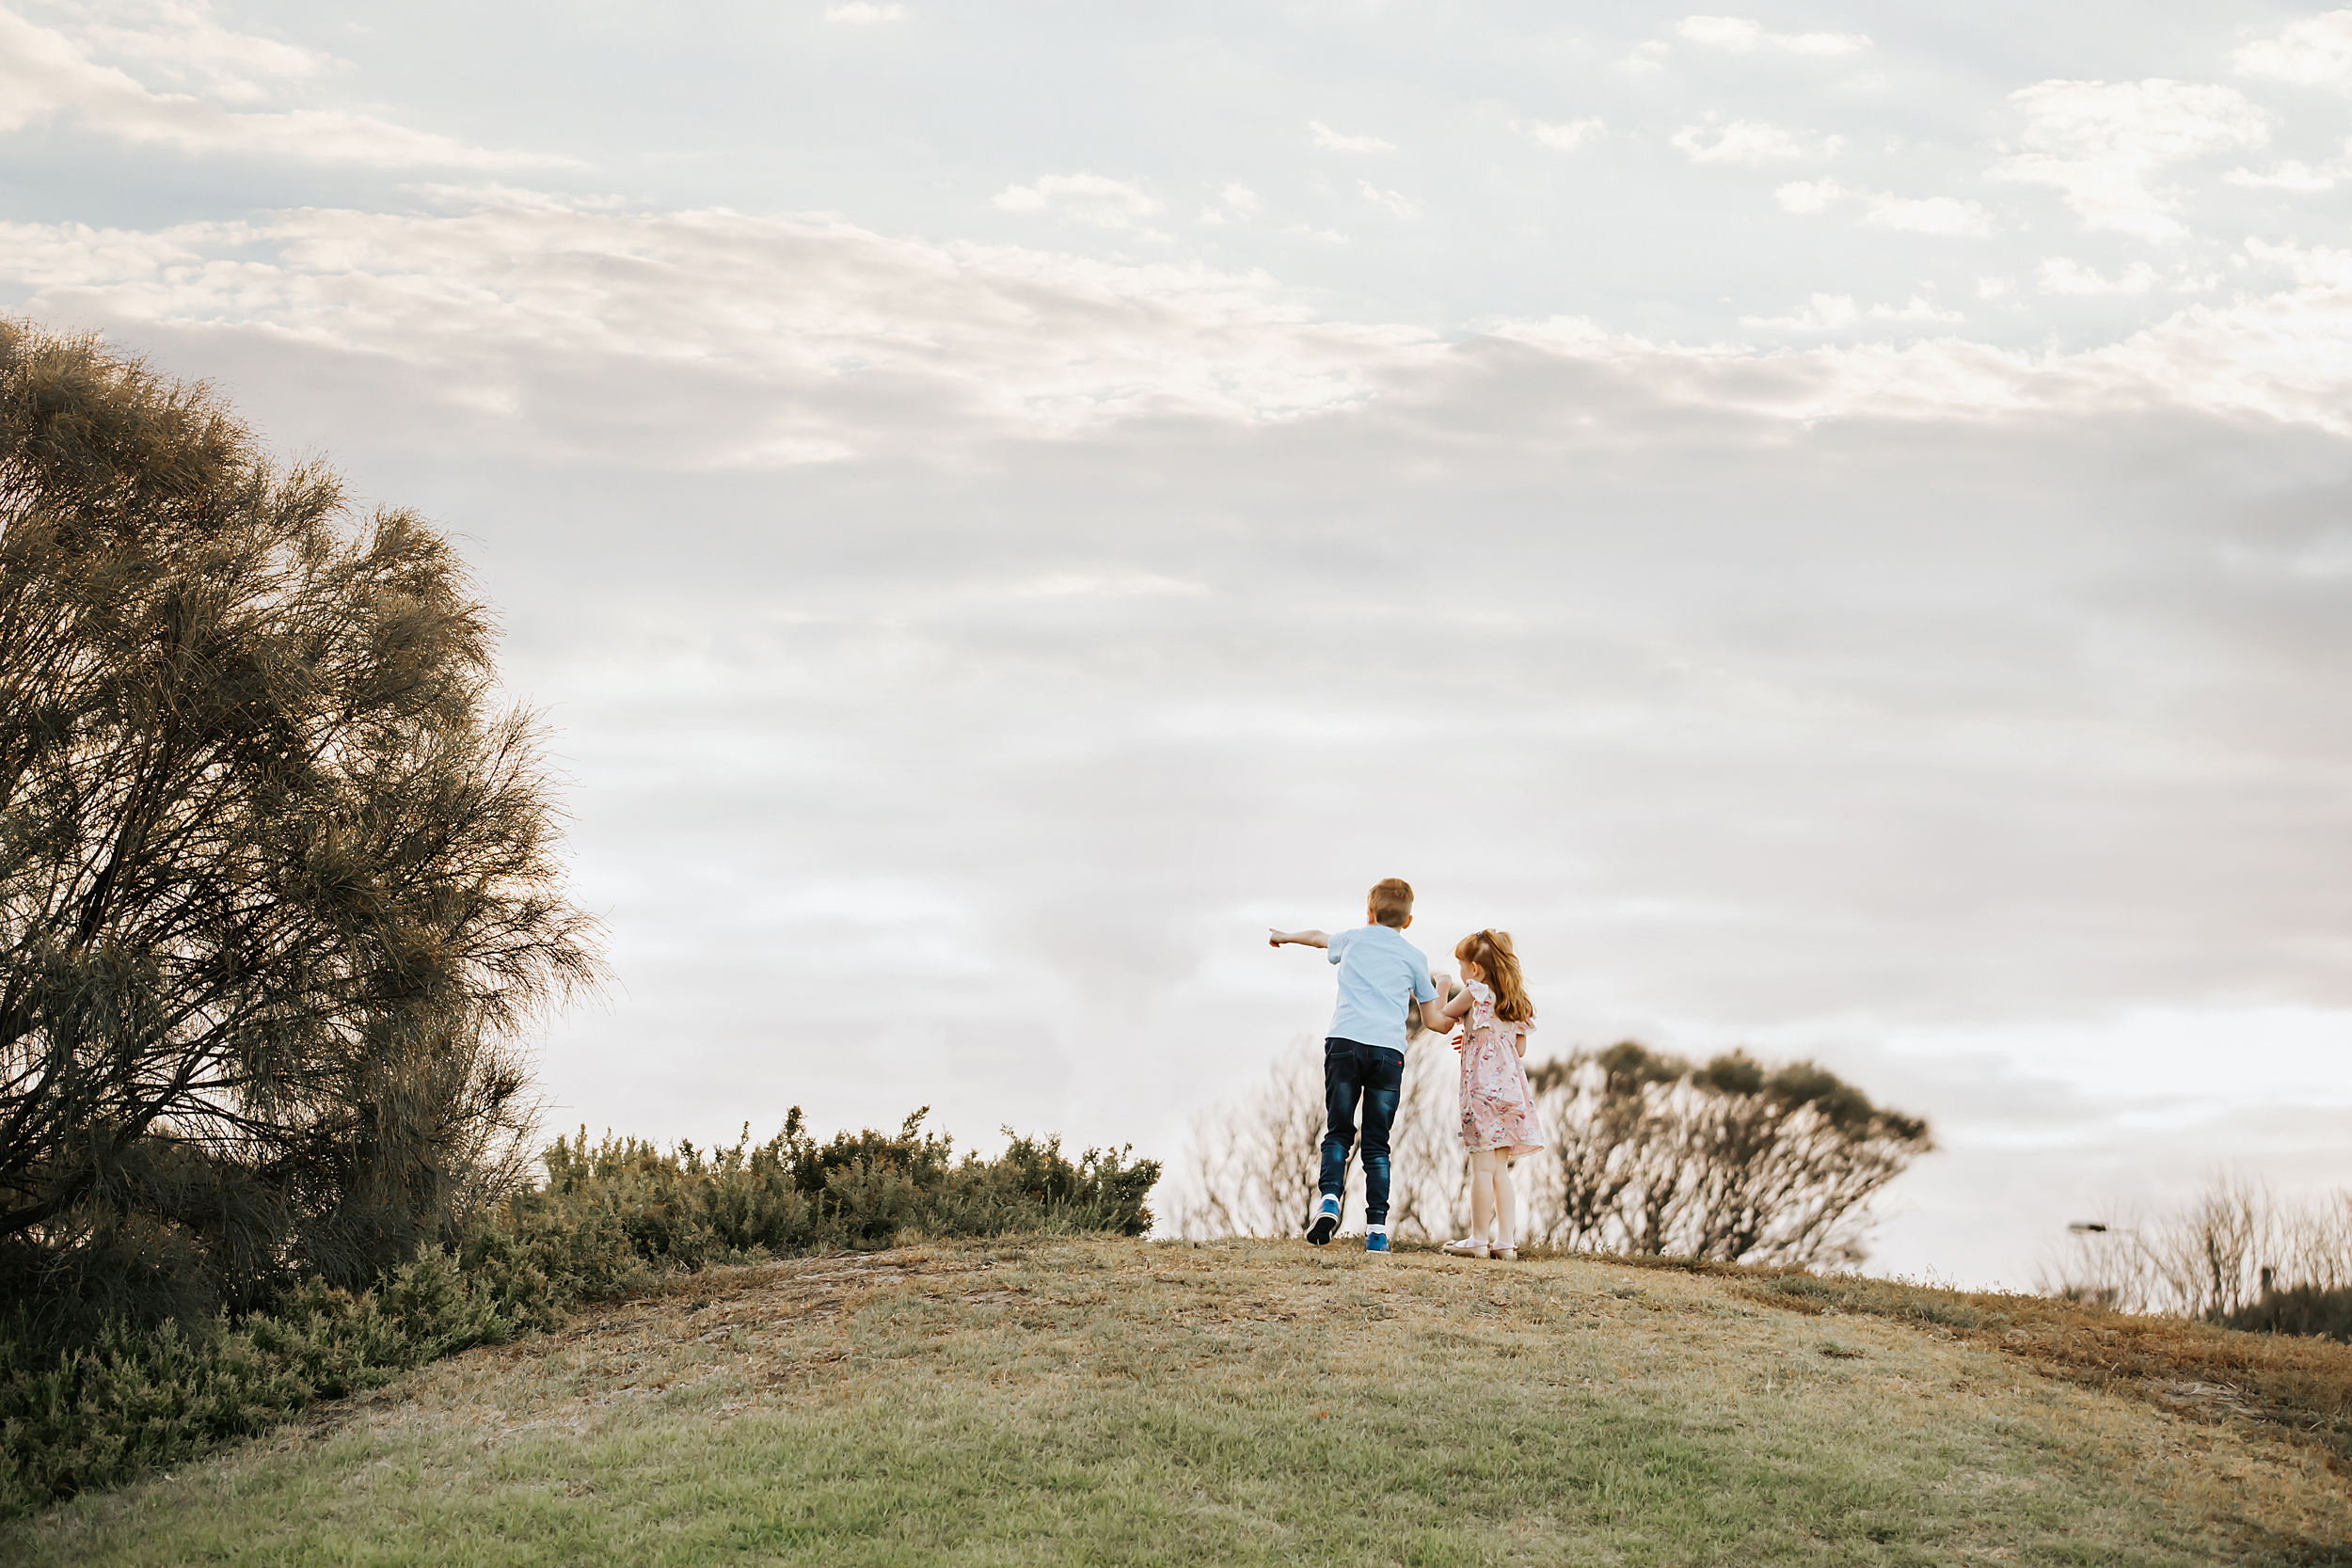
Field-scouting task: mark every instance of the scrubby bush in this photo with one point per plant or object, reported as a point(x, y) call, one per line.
point(2308, 1309)
point(613, 1217)
point(689, 1208)
point(134, 1397)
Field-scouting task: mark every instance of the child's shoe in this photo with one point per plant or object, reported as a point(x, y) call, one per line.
point(1505, 1254)
point(1324, 1221)
point(1468, 1247)
point(1377, 1239)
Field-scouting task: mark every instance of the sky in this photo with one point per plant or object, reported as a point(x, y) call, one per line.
point(1828, 523)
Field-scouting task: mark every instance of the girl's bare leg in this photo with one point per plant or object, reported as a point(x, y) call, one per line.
point(1506, 1204)
point(1482, 1168)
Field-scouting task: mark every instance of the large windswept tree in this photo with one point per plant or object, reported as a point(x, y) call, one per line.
point(278, 882)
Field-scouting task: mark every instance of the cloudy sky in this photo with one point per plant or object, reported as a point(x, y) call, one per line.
point(1829, 523)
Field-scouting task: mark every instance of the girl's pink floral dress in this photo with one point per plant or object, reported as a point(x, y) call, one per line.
point(1497, 1108)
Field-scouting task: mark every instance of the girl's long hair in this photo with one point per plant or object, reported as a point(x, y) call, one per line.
point(1491, 952)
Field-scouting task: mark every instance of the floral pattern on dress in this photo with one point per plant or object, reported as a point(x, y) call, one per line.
point(1497, 1108)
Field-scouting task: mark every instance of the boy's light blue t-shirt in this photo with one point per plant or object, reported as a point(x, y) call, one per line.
point(1378, 969)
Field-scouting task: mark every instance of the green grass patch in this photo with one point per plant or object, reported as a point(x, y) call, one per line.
point(1113, 1401)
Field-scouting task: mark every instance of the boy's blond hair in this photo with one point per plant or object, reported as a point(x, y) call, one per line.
point(1390, 901)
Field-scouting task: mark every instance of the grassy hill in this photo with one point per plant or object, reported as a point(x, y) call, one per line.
point(1135, 1402)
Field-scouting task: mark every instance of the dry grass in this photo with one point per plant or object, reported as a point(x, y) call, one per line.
point(1105, 1401)
point(2276, 1384)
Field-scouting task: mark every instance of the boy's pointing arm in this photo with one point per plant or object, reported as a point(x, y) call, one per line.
point(1304, 939)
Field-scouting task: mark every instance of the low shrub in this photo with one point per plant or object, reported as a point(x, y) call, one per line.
point(615, 1209)
point(99, 1412)
point(613, 1219)
point(2306, 1310)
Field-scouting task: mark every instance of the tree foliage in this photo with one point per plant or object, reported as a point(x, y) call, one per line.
point(1732, 1160)
point(278, 877)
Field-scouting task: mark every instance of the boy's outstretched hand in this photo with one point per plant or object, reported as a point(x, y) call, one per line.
point(1304, 939)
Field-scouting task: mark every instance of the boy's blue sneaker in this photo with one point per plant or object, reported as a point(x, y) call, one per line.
point(1324, 1220)
point(1377, 1239)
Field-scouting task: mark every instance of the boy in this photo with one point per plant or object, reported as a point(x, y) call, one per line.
point(1381, 977)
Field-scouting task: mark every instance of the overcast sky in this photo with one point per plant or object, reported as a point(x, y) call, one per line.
point(1828, 523)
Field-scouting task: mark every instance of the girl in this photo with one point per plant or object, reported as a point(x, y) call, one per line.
point(1497, 1110)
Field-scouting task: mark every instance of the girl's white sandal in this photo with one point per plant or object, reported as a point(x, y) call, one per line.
point(1504, 1254)
point(1466, 1247)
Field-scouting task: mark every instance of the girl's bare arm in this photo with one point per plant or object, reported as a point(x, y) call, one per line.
point(1443, 1016)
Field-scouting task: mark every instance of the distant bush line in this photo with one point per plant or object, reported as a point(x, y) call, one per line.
point(86, 1409)
point(2239, 1255)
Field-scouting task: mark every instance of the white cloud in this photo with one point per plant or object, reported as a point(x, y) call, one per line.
point(1809, 196)
point(1236, 199)
point(2288, 176)
point(493, 194)
point(1741, 36)
point(1561, 139)
point(1123, 584)
point(1821, 313)
point(1933, 215)
point(182, 44)
point(2314, 52)
point(2100, 144)
point(1392, 200)
point(1746, 141)
point(1835, 312)
point(792, 321)
point(2063, 275)
point(1090, 199)
point(512, 305)
point(1995, 288)
point(2316, 268)
point(43, 73)
point(1721, 32)
point(864, 13)
point(1326, 137)
point(1646, 60)
point(1914, 310)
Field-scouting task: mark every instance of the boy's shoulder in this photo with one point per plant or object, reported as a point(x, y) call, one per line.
point(1387, 937)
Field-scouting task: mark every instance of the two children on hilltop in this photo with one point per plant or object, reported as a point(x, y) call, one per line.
point(1382, 978)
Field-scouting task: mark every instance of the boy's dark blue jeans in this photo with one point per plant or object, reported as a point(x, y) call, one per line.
point(1373, 1074)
